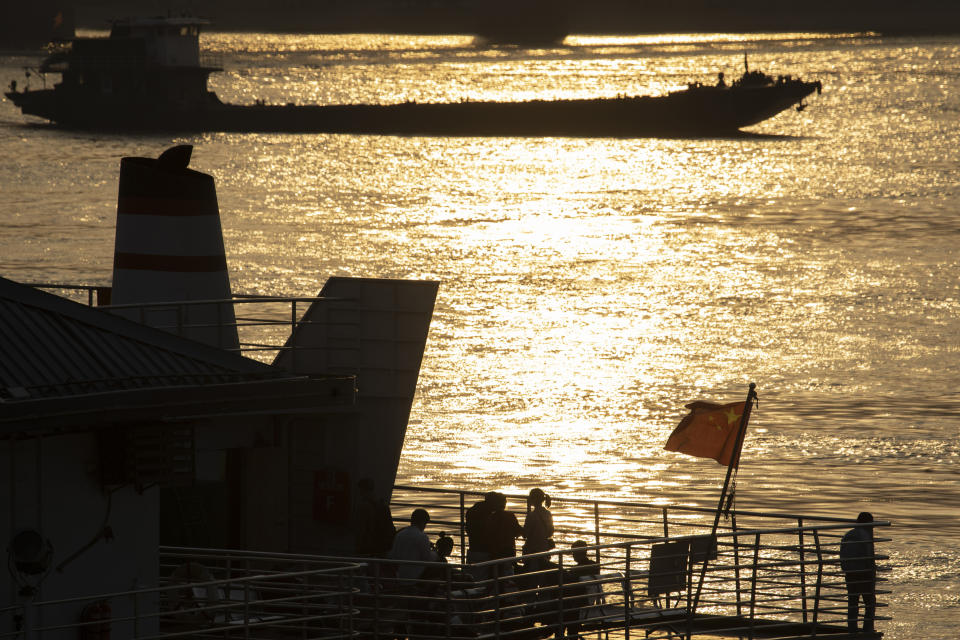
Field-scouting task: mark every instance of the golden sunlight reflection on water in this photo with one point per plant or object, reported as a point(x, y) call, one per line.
point(591, 287)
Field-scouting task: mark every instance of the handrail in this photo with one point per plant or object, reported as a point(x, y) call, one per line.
point(266, 332)
point(265, 591)
point(318, 596)
point(619, 503)
point(762, 571)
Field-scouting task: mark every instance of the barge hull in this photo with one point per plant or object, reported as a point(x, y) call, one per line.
point(697, 111)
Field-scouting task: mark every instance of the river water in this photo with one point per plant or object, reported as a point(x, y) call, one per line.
point(592, 287)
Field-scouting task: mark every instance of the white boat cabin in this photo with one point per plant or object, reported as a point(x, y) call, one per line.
point(168, 42)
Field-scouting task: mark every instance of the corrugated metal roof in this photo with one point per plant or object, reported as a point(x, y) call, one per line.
point(51, 347)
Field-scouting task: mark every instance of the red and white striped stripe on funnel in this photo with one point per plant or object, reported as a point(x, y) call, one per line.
point(169, 248)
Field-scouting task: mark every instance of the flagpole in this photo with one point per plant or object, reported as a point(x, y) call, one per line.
point(734, 458)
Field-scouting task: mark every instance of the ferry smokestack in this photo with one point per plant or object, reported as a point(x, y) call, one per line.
point(177, 157)
point(169, 248)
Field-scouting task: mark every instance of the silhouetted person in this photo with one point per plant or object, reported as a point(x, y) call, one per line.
point(373, 522)
point(537, 529)
point(475, 522)
point(584, 565)
point(443, 547)
point(411, 543)
point(502, 531)
point(860, 573)
point(577, 592)
point(720, 81)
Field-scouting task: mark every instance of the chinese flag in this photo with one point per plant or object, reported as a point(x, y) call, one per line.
point(708, 431)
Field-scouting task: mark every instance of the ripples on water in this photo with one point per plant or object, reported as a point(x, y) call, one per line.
point(590, 288)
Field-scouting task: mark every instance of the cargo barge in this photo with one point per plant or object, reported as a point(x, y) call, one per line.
point(149, 75)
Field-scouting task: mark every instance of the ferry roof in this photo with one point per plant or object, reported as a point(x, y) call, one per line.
point(69, 365)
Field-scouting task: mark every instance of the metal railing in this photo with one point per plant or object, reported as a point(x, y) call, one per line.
point(211, 60)
point(206, 60)
point(752, 582)
point(765, 574)
point(263, 323)
point(207, 593)
point(595, 520)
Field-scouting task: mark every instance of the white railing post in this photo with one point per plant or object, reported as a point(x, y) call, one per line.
point(753, 581)
point(627, 592)
point(816, 596)
point(496, 595)
point(596, 528)
point(448, 570)
point(463, 529)
point(803, 571)
point(736, 563)
point(561, 605)
point(293, 326)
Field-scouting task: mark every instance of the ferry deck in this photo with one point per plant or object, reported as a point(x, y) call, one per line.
point(658, 572)
point(768, 576)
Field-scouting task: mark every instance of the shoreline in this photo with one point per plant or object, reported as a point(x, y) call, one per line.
point(605, 17)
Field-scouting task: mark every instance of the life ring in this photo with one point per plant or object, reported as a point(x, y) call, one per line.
point(191, 603)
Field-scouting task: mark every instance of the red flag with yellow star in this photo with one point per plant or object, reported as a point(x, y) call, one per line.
point(708, 431)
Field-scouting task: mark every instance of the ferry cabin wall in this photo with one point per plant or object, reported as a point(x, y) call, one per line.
point(217, 510)
point(52, 485)
point(279, 483)
point(298, 497)
point(283, 485)
point(173, 45)
point(287, 488)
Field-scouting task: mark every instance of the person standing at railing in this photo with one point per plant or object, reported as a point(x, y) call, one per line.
point(503, 529)
point(475, 521)
point(411, 543)
point(537, 529)
point(860, 573)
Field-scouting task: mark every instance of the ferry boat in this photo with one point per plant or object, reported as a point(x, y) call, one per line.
point(116, 402)
point(149, 75)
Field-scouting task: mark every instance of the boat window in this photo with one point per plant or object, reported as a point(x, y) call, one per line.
point(184, 31)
